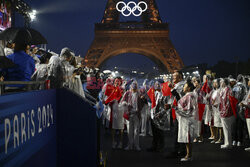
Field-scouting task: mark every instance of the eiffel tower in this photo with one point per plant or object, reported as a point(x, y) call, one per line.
point(149, 37)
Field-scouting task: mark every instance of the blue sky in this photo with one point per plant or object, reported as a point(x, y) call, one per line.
point(201, 30)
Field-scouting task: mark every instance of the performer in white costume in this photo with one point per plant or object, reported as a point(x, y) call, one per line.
point(201, 108)
point(145, 110)
point(214, 102)
point(187, 116)
point(134, 102)
point(226, 113)
point(246, 107)
point(208, 114)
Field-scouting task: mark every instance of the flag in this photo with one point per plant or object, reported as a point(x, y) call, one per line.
point(115, 95)
point(166, 90)
point(47, 84)
point(151, 95)
point(205, 88)
point(233, 103)
point(126, 115)
point(201, 108)
point(247, 113)
point(173, 110)
point(109, 90)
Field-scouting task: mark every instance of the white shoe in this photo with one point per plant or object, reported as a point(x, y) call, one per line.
point(211, 138)
point(120, 146)
point(234, 143)
point(225, 147)
point(200, 141)
point(137, 148)
point(114, 145)
point(222, 145)
point(218, 142)
point(186, 159)
point(247, 149)
point(128, 148)
point(212, 141)
point(142, 134)
point(238, 144)
point(195, 140)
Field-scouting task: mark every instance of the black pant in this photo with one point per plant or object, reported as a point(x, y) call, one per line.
point(237, 131)
point(158, 137)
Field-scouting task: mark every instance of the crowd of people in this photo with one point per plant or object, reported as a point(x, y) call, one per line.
point(36, 64)
point(185, 106)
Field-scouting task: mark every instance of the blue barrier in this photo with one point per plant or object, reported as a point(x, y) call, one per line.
point(77, 131)
point(47, 128)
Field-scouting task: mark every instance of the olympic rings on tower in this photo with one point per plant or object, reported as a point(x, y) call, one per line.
point(131, 7)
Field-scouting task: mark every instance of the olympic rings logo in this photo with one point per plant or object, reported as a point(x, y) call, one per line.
point(131, 7)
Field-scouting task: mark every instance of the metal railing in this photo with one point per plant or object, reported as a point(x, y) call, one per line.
point(26, 86)
point(36, 85)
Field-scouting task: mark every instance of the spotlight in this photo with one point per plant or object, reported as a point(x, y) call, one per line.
point(32, 15)
point(106, 71)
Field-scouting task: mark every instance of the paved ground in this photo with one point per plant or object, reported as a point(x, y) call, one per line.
point(204, 154)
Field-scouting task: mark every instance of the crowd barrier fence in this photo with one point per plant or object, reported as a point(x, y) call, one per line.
point(47, 128)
